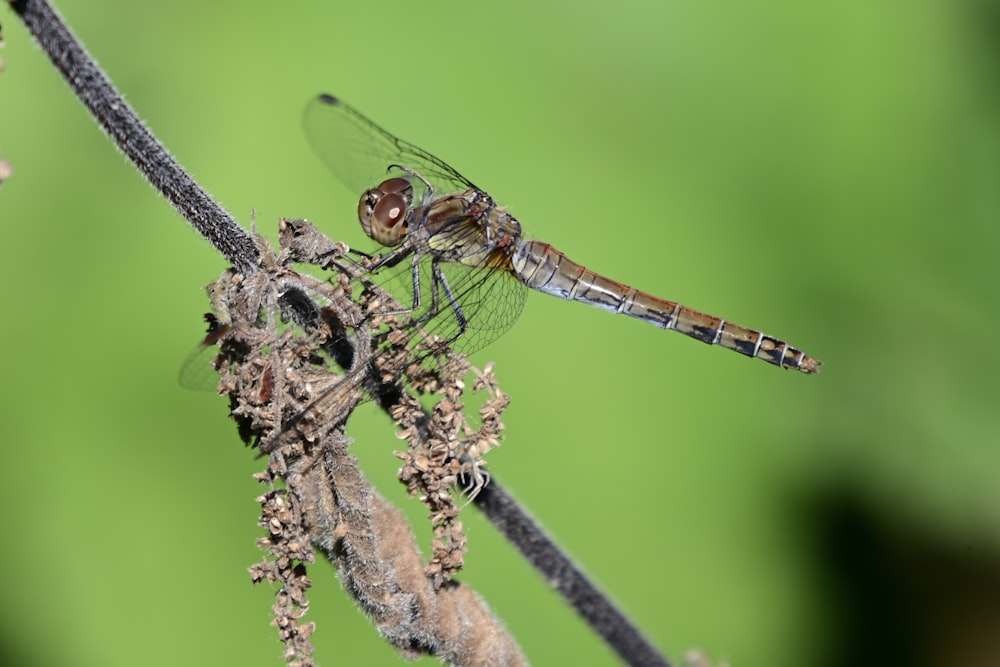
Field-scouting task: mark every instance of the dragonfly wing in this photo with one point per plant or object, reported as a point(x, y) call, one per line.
point(360, 153)
point(489, 299)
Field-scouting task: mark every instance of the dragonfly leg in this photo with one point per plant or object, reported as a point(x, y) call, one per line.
point(440, 282)
point(439, 285)
point(344, 262)
point(416, 290)
point(416, 284)
point(392, 259)
point(428, 193)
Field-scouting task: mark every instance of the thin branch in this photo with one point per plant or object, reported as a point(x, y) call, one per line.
point(225, 234)
point(134, 139)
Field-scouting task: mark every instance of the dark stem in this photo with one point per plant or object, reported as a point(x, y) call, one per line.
point(225, 234)
point(118, 119)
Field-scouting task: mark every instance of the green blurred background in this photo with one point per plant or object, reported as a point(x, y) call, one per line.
point(825, 171)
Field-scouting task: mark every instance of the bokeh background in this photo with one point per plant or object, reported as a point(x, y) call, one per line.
point(825, 171)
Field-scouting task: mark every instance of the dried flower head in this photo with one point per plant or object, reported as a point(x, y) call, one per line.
point(296, 355)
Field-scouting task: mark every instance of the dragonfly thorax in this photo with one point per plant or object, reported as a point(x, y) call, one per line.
point(384, 211)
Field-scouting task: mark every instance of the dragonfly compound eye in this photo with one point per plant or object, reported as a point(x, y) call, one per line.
point(398, 185)
point(383, 216)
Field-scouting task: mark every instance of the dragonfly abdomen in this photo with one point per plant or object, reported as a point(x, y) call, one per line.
point(541, 267)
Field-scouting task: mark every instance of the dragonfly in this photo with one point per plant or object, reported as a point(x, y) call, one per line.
point(464, 257)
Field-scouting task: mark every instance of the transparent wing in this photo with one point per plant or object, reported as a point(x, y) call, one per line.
point(490, 298)
point(359, 152)
point(487, 296)
point(197, 372)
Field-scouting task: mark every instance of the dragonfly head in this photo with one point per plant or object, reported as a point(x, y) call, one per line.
point(384, 211)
